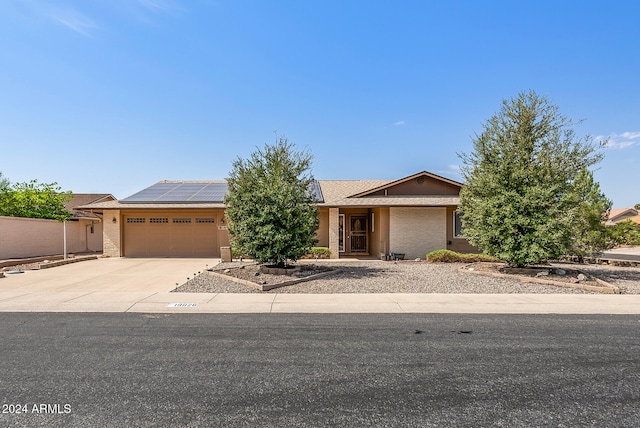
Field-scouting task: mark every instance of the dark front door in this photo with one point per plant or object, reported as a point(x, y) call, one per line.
point(358, 239)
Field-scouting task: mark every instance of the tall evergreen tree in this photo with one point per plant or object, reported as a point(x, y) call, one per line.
point(592, 236)
point(271, 208)
point(522, 202)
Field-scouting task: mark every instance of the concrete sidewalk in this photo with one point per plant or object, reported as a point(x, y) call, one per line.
point(630, 254)
point(144, 285)
point(164, 302)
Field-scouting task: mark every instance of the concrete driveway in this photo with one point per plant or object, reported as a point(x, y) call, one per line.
point(109, 275)
point(102, 285)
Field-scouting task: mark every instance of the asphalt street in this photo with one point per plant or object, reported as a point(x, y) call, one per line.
point(319, 370)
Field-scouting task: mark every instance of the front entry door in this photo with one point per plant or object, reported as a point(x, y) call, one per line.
point(358, 232)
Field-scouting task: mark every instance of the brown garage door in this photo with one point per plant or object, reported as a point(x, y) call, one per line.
point(170, 236)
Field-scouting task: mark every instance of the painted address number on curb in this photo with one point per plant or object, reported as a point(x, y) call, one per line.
point(182, 305)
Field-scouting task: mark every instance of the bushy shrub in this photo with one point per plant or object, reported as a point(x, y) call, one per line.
point(443, 256)
point(319, 253)
point(448, 256)
point(236, 253)
point(625, 233)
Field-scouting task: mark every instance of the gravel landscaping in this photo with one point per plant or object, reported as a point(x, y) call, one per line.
point(375, 276)
point(627, 278)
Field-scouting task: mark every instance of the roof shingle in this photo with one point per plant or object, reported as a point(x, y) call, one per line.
point(333, 193)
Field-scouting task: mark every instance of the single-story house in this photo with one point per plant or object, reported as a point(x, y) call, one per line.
point(88, 224)
point(358, 218)
point(618, 215)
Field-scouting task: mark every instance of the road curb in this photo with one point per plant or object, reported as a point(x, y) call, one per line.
point(67, 261)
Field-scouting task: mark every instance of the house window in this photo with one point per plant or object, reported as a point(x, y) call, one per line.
point(457, 226)
point(205, 220)
point(158, 220)
point(136, 220)
point(181, 220)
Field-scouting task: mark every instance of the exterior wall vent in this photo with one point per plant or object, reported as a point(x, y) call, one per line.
point(205, 220)
point(181, 220)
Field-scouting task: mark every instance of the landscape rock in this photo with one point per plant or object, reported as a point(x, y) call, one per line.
point(388, 277)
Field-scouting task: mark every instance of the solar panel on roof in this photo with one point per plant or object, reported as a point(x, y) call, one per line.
point(192, 187)
point(180, 192)
point(316, 191)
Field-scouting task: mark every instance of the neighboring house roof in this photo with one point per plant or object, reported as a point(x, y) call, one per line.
point(210, 194)
point(79, 200)
point(621, 212)
point(617, 215)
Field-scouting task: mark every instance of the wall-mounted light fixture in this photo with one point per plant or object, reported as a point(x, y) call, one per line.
point(113, 220)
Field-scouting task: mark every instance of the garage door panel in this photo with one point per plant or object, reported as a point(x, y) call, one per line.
point(135, 230)
point(179, 235)
point(204, 242)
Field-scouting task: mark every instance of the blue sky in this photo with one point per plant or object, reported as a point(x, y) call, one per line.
point(113, 96)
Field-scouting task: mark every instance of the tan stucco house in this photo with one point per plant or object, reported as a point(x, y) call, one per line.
point(358, 218)
point(618, 215)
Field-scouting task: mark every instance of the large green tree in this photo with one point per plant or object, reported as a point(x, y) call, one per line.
point(34, 200)
point(592, 236)
point(524, 197)
point(4, 183)
point(271, 208)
